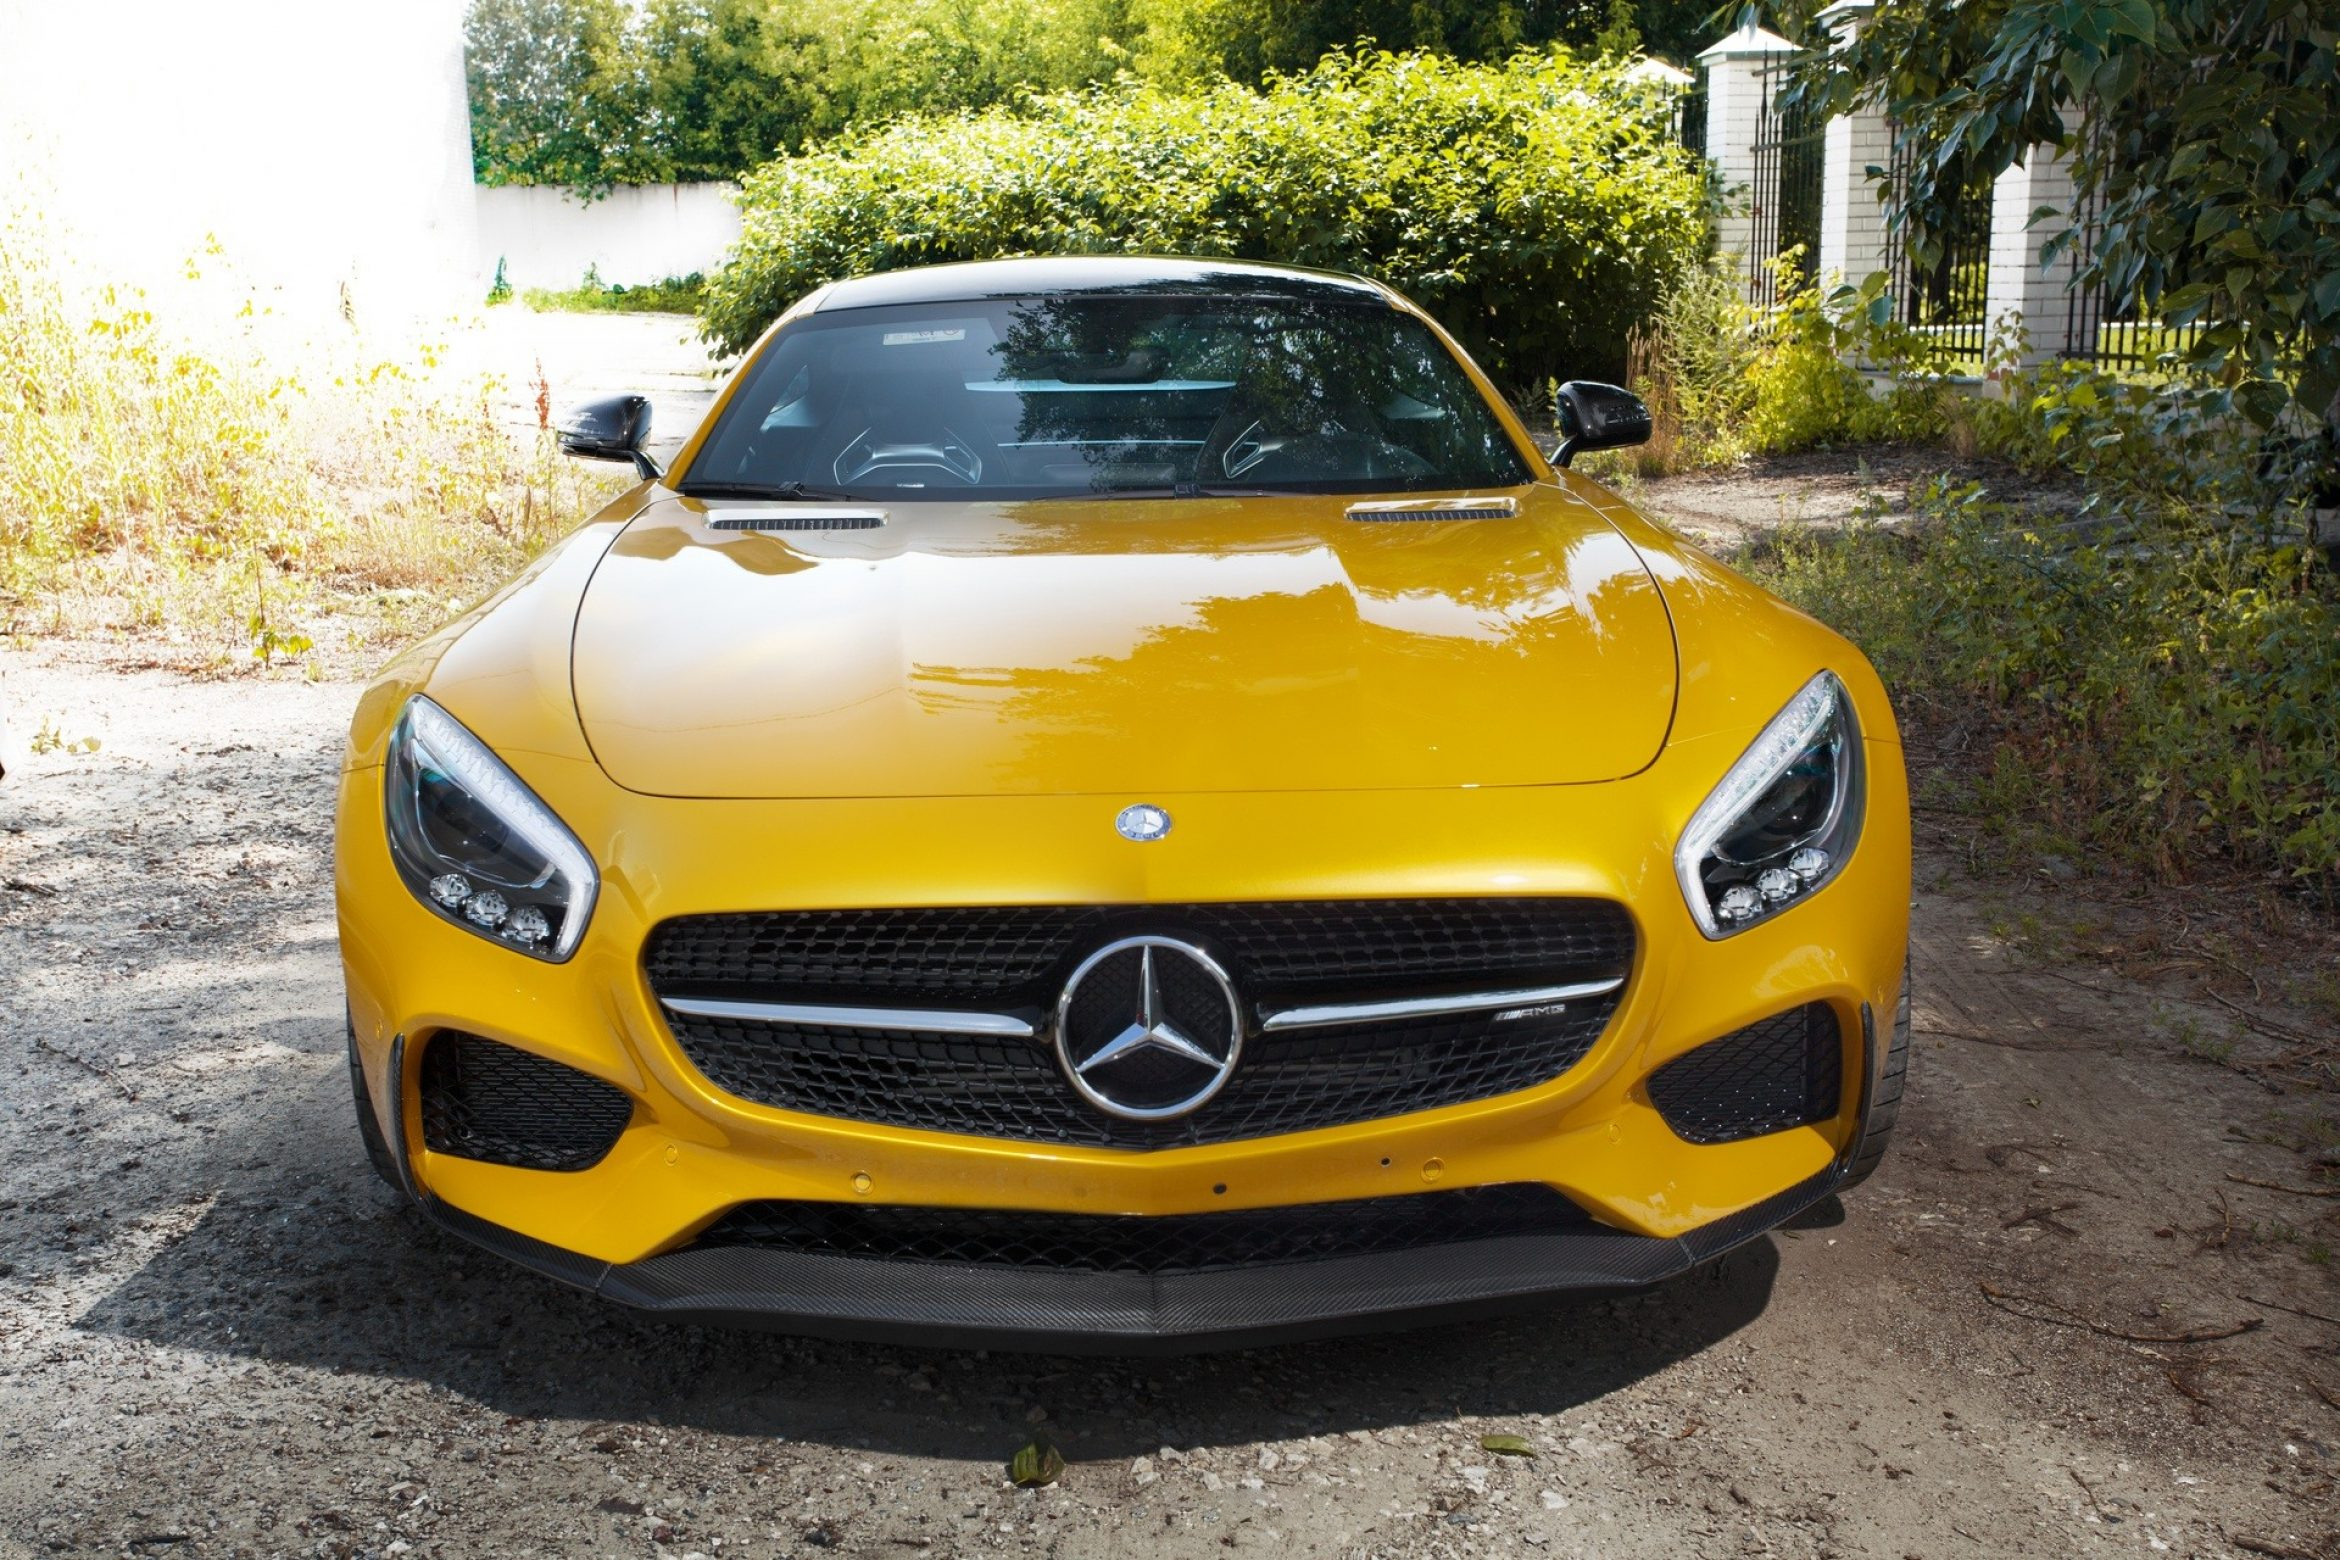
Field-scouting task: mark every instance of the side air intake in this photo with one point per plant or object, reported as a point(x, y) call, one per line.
point(823, 520)
point(1787, 1071)
point(1435, 509)
point(504, 1106)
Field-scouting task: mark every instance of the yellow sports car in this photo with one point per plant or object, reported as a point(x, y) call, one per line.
point(1121, 803)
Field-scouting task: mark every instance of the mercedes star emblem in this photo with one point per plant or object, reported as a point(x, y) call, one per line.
point(1149, 1028)
point(1142, 822)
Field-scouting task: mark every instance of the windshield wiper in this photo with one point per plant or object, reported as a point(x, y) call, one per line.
point(787, 491)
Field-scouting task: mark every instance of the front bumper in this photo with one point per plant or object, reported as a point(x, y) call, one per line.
point(625, 1228)
point(1132, 1313)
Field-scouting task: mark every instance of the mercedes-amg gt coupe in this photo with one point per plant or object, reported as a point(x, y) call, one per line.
point(1116, 804)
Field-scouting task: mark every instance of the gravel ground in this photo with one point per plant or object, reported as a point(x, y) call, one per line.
point(1723, 508)
point(219, 1335)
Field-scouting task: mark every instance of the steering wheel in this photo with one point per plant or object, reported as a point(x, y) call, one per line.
point(947, 460)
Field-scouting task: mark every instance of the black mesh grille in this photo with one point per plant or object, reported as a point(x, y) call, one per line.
point(481, 1100)
point(1787, 1071)
point(1174, 1243)
point(1504, 512)
point(1016, 960)
point(1020, 954)
point(797, 523)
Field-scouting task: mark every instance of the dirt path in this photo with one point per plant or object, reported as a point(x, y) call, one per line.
point(220, 1336)
point(1721, 509)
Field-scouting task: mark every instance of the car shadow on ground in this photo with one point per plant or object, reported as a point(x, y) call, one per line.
point(305, 1260)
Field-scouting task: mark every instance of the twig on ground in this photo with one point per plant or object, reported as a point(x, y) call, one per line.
point(2313, 1316)
point(105, 1074)
point(2278, 1186)
point(2096, 1504)
point(2260, 1546)
point(2182, 1376)
point(2268, 1026)
point(2258, 992)
point(2045, 1218)
point(2065, 1316)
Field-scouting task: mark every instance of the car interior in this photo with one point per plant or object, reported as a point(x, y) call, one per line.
point(1106, 396)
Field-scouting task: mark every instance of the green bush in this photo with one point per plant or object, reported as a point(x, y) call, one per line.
point(2154, 681)
point(1538, 208)
point(674, 295)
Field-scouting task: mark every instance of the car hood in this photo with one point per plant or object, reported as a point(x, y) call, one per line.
point(1131, 648)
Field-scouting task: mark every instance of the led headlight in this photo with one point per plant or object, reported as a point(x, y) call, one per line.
point(1783, 819)
point(476, 845)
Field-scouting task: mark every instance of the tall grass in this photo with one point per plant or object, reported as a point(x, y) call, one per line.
point(241, 497)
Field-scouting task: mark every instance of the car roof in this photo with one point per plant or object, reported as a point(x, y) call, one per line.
point(1056, 276)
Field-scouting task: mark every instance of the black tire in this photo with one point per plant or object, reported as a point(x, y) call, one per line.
point(1885, 1106)
point(370, 1126)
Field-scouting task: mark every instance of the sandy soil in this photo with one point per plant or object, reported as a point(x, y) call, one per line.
point(1722, 508)
point(219, 1335)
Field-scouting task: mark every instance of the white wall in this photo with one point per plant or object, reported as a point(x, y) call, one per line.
point(324, 143)
point(642, 233)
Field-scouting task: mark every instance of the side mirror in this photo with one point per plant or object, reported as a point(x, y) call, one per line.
point(1594, 416)
point(614, 428)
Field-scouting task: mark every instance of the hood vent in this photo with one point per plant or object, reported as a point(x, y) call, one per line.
point(1435, 509)
point(799, 520)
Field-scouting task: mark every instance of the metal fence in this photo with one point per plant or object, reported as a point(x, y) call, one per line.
point(1690, 115)
point(1790, 169)
point(1946, 295)
point(2108, 328)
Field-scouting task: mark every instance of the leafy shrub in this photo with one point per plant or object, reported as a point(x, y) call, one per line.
point(674, 295)
point(230, 496)
point(1806, 390)
point(1538, 208)
point(2156, 681)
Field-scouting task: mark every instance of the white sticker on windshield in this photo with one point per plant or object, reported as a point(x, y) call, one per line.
point(912, 338)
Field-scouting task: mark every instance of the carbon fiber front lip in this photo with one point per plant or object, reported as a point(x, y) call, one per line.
point(1126, 1313)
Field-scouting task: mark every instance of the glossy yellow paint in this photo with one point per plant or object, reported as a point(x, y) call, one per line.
point(953, 710)
point(1066, 646)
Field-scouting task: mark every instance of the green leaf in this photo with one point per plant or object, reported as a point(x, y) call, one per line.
point(1506, 1445)
point(2134, 19)
point(2262, 400)
point(1037, 1462)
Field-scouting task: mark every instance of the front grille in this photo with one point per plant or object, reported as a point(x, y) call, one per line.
point(1016, 960)
point(491, 1102)
point(1787, 1071)
point(1122, 1243)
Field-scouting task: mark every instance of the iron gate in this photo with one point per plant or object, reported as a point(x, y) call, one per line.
point(1790, 164)
point(1945, 295)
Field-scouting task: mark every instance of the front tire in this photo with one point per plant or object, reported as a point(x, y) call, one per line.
point(1885, 1107)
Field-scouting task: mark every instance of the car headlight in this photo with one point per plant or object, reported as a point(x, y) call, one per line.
point(1783, 819)
point(476, 845)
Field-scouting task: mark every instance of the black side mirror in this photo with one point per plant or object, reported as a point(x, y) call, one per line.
point(614, 428)
point(1594, 416)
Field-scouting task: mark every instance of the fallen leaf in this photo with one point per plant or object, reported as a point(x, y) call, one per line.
point(1507, 1445)
point(1036, 1462)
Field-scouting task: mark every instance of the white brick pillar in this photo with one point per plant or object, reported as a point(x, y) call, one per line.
point(2038, 296)
point(1853, 235)
point(1734, 111)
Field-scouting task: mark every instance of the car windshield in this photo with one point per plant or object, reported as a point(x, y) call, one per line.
point(1088, 396)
